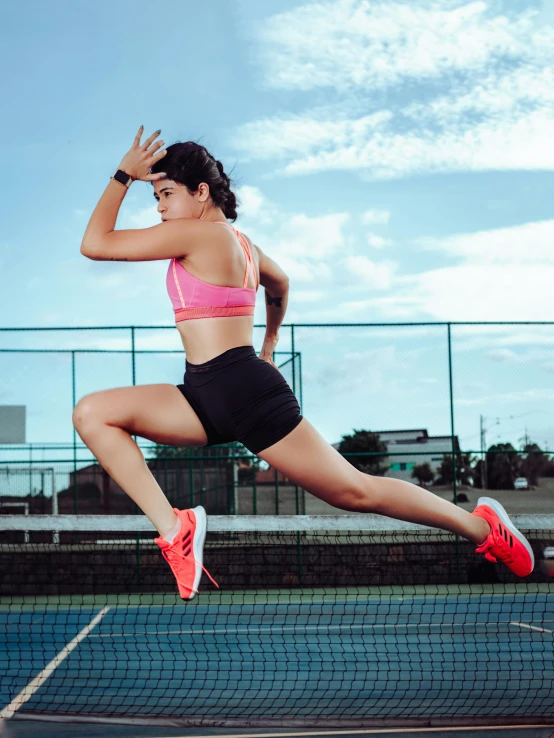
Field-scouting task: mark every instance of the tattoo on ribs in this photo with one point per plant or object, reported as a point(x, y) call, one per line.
point(274, 300)
point(114, 258)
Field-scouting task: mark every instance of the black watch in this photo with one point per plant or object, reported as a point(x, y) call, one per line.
point(122, 177)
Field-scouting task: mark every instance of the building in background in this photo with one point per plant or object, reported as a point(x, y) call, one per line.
point(410, 444)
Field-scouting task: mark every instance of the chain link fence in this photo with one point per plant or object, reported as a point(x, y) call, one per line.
point(474, 397)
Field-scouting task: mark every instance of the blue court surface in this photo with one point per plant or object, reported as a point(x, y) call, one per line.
point(482, 657)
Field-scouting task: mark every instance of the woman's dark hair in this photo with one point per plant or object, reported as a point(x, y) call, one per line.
point(189, 164)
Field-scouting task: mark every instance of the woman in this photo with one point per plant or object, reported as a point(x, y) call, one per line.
point(228, 392)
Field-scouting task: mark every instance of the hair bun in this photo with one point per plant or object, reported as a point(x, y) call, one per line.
point(189, 164)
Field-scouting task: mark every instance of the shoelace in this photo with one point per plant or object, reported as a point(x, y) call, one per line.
point(169, 555)
point(485, 547)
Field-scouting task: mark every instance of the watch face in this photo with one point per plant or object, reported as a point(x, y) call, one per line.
point(122, 176)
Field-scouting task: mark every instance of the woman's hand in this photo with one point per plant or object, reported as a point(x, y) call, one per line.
point(142, 157)
point(268, 348)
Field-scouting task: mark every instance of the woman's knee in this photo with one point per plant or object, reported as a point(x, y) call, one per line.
point(86, 412)
point(362, 496)
point(354, 495)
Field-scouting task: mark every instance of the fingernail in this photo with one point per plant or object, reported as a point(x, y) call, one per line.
point(159, 131)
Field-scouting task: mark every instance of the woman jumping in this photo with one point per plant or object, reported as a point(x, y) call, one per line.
point(228, 392)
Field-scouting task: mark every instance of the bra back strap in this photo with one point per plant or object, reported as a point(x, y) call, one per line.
point(247, 252)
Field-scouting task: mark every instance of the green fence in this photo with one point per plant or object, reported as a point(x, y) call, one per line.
point(460, 380)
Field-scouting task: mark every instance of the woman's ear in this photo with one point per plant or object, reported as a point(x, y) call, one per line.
point(204, 190)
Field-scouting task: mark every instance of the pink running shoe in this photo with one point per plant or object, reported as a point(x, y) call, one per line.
point(504, 543)
point(184, 554)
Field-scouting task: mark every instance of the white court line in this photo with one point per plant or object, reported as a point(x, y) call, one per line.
point(293, 734)
point(28, 691)
point(298, 628)
point(532, 627)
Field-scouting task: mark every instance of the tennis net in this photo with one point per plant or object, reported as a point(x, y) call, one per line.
point(336, 620)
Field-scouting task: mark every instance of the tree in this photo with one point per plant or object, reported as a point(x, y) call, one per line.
point(173, 452)
point(464, 471)
point(362, 441)
point(548, 470)
point(534, 464)
point(213, 455)
point(423, 473)
point(503, 466)
point(477, 476)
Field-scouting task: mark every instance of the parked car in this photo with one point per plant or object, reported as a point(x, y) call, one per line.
point(521, 483)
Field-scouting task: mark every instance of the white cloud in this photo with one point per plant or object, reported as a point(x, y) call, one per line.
point(369, 273)
point(254, 204)
point(311, 296)
point(372, 370)
point(511, 399)
point(307, 132)
point(523, 338)
point(309, 272)
point(502, 275)
point(472, 293)
point(380, 217)
point(143, 217)
point(314, 237)
point(122, 280)
point(378, 242)
point(357, 43)
point(390, 63)
point(502, 355)
point(521, 141)
point(495, 93)
point(526, 244)
point(305, 247)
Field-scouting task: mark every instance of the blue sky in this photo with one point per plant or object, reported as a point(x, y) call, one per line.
point(395, 158)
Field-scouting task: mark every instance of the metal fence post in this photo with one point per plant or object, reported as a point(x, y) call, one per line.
point(74, 402)
point(452, 432)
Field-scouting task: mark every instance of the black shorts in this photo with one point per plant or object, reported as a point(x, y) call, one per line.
point(240, 397)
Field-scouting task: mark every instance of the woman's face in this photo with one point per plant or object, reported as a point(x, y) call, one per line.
point(175, 201)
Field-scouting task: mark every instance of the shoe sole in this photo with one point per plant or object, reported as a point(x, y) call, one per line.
point(198, 545)
point(503, 515)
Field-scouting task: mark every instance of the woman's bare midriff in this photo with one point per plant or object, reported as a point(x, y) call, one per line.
point(205, 338)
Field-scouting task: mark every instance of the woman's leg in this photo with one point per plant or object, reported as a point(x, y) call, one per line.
point(106, 420)
point(306, 458)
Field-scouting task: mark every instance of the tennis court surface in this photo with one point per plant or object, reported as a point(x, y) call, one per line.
point(348, 621)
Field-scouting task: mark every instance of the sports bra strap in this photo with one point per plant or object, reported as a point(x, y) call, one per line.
point(247, 252)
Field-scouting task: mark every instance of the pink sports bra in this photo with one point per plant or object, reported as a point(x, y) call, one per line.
point(193, 298)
